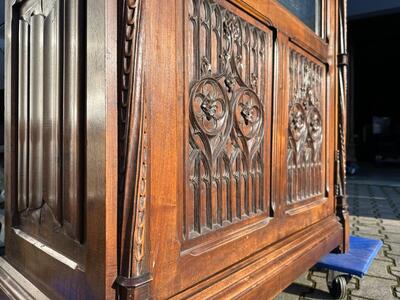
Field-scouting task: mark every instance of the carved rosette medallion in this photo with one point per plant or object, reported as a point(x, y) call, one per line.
point(210, 117)
point(305, 134)
point(226, 67)
point(249, 119)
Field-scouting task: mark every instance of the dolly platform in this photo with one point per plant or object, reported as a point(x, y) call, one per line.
point(356, 262)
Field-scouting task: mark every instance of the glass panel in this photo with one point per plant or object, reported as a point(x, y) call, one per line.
point(309, 11)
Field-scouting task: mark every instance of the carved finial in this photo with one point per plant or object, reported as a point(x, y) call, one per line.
point(231, 29)
point(239, 63)
point(226, 57)
point(205, 66)
point(253, 81)
point(230, 80)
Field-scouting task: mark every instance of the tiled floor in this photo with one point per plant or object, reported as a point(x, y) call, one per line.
point(375, 213)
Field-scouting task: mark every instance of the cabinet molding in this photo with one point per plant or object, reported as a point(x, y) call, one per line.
point(133, 136)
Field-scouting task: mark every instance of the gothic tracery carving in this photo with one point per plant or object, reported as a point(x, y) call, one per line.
point(305, 129)
point(226, 110)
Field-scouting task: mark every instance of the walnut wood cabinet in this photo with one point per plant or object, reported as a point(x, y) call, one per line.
point(172, 149)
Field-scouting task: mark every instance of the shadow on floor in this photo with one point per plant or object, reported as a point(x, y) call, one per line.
point(298, 289)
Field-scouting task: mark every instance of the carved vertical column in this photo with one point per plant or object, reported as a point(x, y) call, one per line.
point(133, 280)
point(340, 193)
point(72, 126)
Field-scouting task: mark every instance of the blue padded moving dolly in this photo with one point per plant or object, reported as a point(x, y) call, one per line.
point(356, 262)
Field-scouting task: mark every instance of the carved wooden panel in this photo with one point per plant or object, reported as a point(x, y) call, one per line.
point(305, 128)
point(50, 118)
point(227, 67)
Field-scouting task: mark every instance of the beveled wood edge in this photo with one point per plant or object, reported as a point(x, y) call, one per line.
point(101, 151)
point(307, 206)
point(235, 235)
point(46, 249)
point(245, 279)
point(15, 285)
point(309, 50)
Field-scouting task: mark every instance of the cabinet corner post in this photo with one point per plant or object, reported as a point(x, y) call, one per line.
point(340, 178)
point(133, 281)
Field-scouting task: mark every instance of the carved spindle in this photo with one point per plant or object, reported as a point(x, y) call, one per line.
point(220, 187)
point(197, 197)
point(341, 198)
point(233, 193)
point(260, 183)
point(238, 181)
point(253, 186)
point(247, 63)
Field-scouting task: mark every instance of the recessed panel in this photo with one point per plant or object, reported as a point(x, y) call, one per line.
point(51, 111)
point(306, 121)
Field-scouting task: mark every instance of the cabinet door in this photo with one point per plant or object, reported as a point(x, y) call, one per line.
point(55, 200)
point(227, 124)
point(307, 108)
point(240, 97)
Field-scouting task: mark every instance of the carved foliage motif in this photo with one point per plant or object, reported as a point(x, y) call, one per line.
point(227, 81)
point(305, 129)
point(46, 48)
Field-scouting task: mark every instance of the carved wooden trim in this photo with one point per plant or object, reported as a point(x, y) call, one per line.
point(340, 178)
point(133, 152)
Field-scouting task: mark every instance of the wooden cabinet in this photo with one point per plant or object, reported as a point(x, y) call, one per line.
point(183, 149)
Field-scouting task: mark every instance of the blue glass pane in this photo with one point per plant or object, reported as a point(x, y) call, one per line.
point(305, 10)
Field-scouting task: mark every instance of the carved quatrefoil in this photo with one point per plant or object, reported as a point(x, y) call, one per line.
point(210, 116)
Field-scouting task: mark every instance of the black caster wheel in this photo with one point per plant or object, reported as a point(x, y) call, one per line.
point(338, 287)
point(337, 284)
